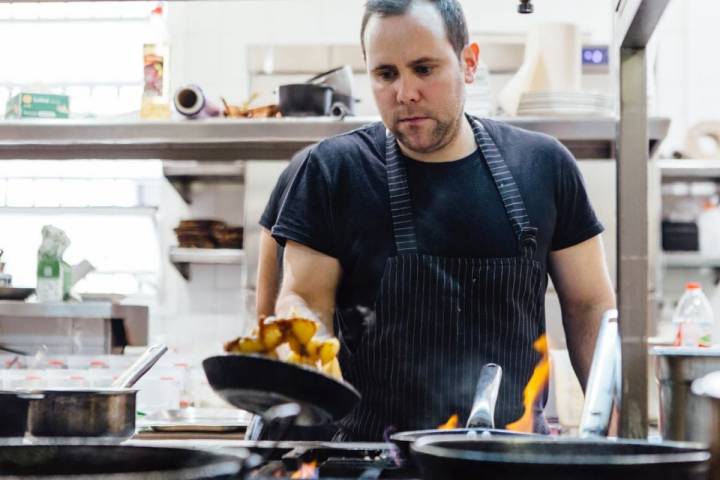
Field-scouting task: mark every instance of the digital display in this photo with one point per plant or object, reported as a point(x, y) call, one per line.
point(595, 55)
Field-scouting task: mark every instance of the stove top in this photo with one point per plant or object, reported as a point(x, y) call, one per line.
point(335, 460)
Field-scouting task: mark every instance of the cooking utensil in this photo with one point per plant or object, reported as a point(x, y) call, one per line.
point(457, 457)
point(683, 416)
point(604, 380)
point(86, 462)
point(196, 420)
point(305, 100)
point(340, 79)
point(481, 421)
point(255, 383)
point(15, 293)
point(105, 413)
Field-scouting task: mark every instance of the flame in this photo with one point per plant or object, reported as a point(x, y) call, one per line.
point(534, 387)
point(307, 471)
point(451, 423)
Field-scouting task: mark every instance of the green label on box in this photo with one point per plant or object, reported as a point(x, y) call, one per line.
point(38, 105)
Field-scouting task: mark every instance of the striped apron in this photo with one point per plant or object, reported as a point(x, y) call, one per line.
point(438, 320)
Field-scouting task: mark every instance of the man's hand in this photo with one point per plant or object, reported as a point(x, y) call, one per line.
point(582, 282)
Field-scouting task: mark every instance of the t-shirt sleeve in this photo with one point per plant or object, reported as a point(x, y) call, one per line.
point(576, 219)
point(278, 194)
point(306, 215)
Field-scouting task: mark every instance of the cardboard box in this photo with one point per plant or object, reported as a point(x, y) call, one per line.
point(38, 105)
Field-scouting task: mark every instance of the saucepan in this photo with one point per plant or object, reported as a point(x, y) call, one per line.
point(256, 384)
point(104, 413)
point(552, 458)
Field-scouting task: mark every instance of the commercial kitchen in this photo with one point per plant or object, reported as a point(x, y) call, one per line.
point(188, 236)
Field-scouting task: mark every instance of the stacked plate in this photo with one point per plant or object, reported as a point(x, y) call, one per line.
point(566, 103)
point(479, 99)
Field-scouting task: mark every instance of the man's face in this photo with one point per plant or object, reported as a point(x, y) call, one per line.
point(416, 77)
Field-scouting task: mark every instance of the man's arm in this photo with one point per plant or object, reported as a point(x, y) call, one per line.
point(310, 279)
point(582, 282)
point(268, 275)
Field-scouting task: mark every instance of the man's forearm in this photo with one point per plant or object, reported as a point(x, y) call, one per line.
point(581, 329)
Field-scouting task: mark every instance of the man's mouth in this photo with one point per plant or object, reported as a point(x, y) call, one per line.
point(413, 120)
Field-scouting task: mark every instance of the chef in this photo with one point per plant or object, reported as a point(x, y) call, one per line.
point(425, 241)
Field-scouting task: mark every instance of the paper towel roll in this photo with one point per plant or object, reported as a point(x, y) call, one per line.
point(552, 62)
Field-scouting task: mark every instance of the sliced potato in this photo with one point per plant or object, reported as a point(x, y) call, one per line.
point(329, 350)
point(271, 335)
point(332, 368)
point(303, 329)
point(250, 345)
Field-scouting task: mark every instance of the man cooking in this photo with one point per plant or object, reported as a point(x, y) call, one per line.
point(424, 242)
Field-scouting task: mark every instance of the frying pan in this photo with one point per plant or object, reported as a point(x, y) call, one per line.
point(459, 458)
point(89, 462)
point(481, 421)
point(255, 383)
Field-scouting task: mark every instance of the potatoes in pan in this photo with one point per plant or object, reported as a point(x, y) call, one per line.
point(299, 335)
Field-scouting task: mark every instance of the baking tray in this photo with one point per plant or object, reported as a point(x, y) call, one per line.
point(196, 420)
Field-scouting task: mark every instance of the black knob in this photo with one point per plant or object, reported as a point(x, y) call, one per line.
point(525, 6)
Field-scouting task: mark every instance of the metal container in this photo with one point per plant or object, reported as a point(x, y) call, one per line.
point(103, 413)
point(706, 392)
point(684, 416)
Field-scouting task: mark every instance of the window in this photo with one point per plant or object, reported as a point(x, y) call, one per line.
point(92, 52)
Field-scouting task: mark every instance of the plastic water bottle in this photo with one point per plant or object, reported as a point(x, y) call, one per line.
point(693, 318)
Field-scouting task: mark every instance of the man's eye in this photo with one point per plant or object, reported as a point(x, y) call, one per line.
point(386, 75)
point(423, 70)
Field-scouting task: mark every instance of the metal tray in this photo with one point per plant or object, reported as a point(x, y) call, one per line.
point(196, 420)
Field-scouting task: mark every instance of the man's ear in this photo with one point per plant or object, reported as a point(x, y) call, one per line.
point(470, 57)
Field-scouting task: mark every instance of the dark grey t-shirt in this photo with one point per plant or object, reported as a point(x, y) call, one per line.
point(337, 203)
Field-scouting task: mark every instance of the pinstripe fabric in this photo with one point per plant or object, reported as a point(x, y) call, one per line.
point(439, 320)
point(400, 206)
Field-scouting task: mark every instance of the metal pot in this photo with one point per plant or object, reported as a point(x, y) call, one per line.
point(305, 100)
point(459, 458)
point(108, 413)
point(83, 413)
point(683, 416)
point(86, 462)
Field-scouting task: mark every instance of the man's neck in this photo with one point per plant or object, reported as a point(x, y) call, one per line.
point(462, 146)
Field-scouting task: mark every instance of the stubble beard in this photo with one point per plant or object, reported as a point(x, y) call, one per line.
point(441, 135)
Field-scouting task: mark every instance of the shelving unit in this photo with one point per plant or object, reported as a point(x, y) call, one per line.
point(182, 174)
point(220, 140)
point(689, 260)
point(182, 258)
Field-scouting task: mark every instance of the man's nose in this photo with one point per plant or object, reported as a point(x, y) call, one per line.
point(408, 90)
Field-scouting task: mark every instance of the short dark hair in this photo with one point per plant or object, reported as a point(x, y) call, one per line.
point(450, 11)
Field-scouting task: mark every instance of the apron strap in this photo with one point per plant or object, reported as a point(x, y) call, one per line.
point(508, 189)
point(400, 205)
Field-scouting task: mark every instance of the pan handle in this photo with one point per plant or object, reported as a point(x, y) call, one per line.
point(130, 376)
point(482, 414)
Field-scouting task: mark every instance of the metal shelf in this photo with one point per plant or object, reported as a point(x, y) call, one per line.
point(689, 170)
point(689, 260)
point(99, 310)
point(254, 139)
point(182, 258)
point(182, 174)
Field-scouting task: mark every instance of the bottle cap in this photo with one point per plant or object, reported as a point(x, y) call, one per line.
point(692, 286)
